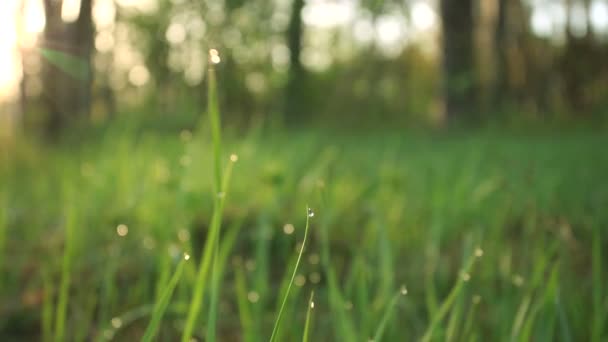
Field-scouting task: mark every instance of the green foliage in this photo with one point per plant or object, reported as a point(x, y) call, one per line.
point(391, 209)
point(76, 67)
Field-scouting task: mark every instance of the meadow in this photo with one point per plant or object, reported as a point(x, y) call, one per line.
point(471, 235)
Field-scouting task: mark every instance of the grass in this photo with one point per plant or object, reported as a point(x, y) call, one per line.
point(391, 209)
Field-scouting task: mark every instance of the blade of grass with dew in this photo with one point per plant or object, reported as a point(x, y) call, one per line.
point(66, 267)
point(163, 301)
point(218, 273)
point(388, 313)
point(308, 322)
point(468, 322)
point(219, 198)
point(449, 301)
point(277, 322)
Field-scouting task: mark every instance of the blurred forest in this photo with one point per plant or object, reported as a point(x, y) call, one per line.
point(404, 63)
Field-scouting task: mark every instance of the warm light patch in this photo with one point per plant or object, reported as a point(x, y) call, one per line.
point(70, 10)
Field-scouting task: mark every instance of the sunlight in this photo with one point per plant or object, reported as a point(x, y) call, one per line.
point(325, 14)
point(17, 34)
point(70, 9)
point(423, 16)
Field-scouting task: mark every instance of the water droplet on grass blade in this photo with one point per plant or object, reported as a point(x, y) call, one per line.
point(403, 290)
point(312, 305)
point(311, 213)
point(253, 296)
point(478, 252)
point(234, 158)
point(116, 322)
point(186, 256)
point(214, 56)
point(288, 229)
point(122, 230)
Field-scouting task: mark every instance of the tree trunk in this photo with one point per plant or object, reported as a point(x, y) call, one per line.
point(66, 98)
point(294, 110)
point(458, 61)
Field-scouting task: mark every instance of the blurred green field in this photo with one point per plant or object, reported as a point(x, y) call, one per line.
point(392, 212)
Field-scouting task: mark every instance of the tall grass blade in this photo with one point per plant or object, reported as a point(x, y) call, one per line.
point(308, 322)
point(66, 267)
point(218, 273)
point(161, 305)
point(220, 188)
point(277, 322)
point(448, 302)
point(388, 313)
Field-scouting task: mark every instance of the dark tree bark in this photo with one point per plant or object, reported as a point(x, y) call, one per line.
point(294, 108)
point(458, 60)
point(66, 98)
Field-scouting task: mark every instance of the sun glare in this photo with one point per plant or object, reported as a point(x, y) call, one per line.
point(20, 23)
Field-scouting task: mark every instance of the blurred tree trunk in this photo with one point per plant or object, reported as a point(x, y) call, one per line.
point(458, 60)
point(579, 64)
point(294, 110)
point(66, 98)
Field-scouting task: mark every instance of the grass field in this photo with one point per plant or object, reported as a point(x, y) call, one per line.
point(486, 236)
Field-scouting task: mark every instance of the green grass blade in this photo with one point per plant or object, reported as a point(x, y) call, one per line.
point(308, 322)
point(161, 305)
point(449, 301)
point(245, 315)
point(388, 313)
point(219, 198)
point(277, 322)
point(218, 273)
point(66, 267)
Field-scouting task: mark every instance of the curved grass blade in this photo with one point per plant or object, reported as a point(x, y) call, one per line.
point(277, 322)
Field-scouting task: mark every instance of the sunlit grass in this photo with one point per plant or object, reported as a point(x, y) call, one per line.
point(391, 211)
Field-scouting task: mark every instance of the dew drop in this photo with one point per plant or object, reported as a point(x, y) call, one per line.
point(122, 230)
point(116, 322)
point(214, 56)
point(403, 290)
point(253, 296)
point(312, 305)
point(478, 252)
point(186, 256)
point(311, 213)
point(234, 158)
point(466, 276)
point(288, 229)
point(300, 280)
point(315, 277)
